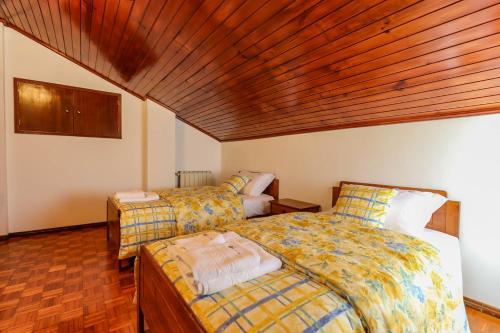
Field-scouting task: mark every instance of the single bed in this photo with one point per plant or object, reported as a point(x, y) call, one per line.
point(169, 308)
point(165, 221)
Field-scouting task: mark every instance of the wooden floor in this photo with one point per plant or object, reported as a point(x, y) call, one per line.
point(63, 282)
point(68, 282)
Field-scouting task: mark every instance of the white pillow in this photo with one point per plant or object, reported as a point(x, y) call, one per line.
point(259, 181)
point(410, 211)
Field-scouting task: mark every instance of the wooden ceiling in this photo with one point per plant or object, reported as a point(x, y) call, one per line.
point(244, 69)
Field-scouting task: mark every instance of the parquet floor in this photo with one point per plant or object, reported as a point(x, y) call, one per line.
point(68, 282)
point(63, 282)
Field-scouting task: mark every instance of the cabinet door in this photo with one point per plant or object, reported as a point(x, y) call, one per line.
point(43, 109)
point(97, 114)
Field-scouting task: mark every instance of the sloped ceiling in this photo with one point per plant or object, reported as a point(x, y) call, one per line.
point(245, 69)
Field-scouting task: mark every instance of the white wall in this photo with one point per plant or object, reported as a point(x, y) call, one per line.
point(55, 181)
point(3, 157)
point(60, 180)
point(160, 147)
point(461, 156)
point(196, 150)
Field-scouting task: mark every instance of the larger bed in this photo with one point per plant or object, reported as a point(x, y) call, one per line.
point(335, 278)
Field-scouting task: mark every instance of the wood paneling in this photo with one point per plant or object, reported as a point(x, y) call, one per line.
point(245, 69)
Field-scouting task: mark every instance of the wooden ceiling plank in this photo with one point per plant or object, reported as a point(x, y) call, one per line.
point(476, 104)
point(37, 16)
point(3, 16)
point(149, 58)
point(347, 39)
point(75, 13)
point(172, 46)
point(233, 30)
point(29, 18)
point(420, 51)
point(123, 17)
point(44, 9)
point(470, 92)
point(14, 14)
point(334, 75)
point(453, 113)
point(53, 10)
point(479, 68)
point(430, 91)
point(394, 79)
point(86, 8)
point(118, 70)
point(183, 14)
point(103, 49)
point(220, 26)
point(367, 45)
point(292, 19)
point(139, 44)
point(98, 9)
point(66, 26)
point(347, 34)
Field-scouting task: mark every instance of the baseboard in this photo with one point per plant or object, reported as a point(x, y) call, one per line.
point(482, 307)
point(49, 230)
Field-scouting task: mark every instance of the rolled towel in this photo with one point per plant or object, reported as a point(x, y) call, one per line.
point(213, 261)
point(268, 264)
point(201, 240)
point(149, 196)
point(130, 195)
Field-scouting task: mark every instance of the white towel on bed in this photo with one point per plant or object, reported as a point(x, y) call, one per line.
point(211, 262)
point(130, 195)
point(225, 278)
point(201, 240)
point(149, 196)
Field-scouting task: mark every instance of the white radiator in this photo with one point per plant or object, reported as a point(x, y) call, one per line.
point(194, 178)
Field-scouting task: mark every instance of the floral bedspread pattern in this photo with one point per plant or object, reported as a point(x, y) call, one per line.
point(201, 208)
point(179, 211)
point(282, 301)
point(394, 282)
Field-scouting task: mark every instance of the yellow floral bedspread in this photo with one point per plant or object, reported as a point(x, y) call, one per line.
point(202, 208)
point(376, 281)
point(179, 211)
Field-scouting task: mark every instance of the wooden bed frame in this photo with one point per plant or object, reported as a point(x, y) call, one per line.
point(165, 309)
point(113, 225)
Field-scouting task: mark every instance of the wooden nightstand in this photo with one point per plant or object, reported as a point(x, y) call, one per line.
point(283, 206)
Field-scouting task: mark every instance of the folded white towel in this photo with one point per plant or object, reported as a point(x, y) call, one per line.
point(268, 264)
point(130, 195)
point(149, 196)
point(213, 261)
point(201, 240)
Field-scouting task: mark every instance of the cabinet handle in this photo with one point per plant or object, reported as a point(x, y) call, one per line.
point(78, 111)
point(67, 111)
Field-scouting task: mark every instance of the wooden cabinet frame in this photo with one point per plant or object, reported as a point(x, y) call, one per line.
point(17, 109)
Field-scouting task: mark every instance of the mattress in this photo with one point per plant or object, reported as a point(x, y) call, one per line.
point(255, 206)
point(449, 250)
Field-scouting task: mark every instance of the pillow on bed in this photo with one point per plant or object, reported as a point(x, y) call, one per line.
point(259, 181)
point(235, 183)
point(411, 211)
point(364, 204)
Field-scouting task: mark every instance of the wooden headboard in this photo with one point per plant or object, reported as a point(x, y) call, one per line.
point(273, 189)
point(446, 219)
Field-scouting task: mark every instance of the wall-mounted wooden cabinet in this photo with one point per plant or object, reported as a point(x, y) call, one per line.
point(47, 108)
